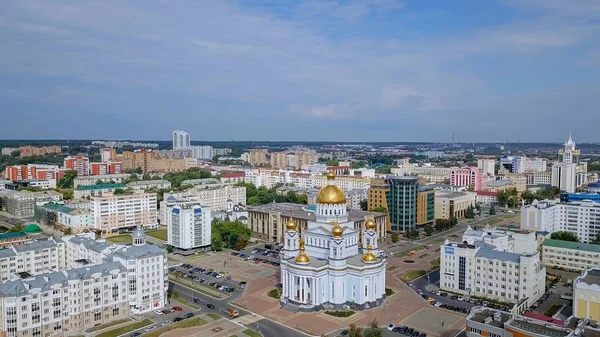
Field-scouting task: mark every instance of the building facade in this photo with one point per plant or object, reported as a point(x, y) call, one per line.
point(188, 224)
point(31, 151)
point(330, 265)
point(466, 176)
point(453, 204)
point(81, 192)
point(79, 164)
point(257, 157)
point(113, 212)
point(402, 200)
point(181, 140)
point(217, 197)
point(106, 167)
point(574, 256)
point(487, 166)
point(586, 295)
point(425, 205)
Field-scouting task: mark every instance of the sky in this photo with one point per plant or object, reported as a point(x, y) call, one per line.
point(364, 70)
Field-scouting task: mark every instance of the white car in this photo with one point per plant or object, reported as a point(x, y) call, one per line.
point(391, 327)
point(150, 328)
point(460, 298)
point(158, 312)
point(165, 323)
point(438, 293)
point(438, 304)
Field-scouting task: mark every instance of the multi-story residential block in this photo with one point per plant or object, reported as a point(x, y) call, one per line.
point(453, 204)
point(31, 258)
point(188, 224)
point(484, 321)
point(54, 214)
point(7, 151)
point(15, 238)
point(202, 152)
point(279, 160)
point(257, 157)
point(106, 167)
point(81, 192)
point(580, 218)
point(92, 180)
point(31, 151)
point(142, 185)
point(467, 176)
point(181, 140)
point(112, 212)
point(233, 178)
point(487, 166)
point(478, 269)
point(108, 154)
point(34, 171)
point(575, 256)
point(268, 222)
point(221, 152)
point(586, 295)
point(20, 204)
point(150, 161)
point(521, 164)
point(80, 164)
point(217, 197)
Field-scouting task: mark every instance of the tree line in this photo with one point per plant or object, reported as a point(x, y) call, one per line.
point(229, 234)
point(262, 195)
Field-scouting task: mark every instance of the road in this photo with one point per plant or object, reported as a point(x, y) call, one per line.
point(266, 327)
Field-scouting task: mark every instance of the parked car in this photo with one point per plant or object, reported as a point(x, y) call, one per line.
point(150, 328)
point(165, 323)
point(177, 319)
point(188, 315)
point(158, 312)
point(390, 327)
point(135, 334)
point(210, 306)
point(177, 308)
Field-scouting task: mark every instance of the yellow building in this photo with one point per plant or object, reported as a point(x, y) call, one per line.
point(257, 157)
point(586, 295)
point(279, 160)
point(149, 161)
point(518, 181)
point(425, 205)
point(448, 204)
point(376, 198)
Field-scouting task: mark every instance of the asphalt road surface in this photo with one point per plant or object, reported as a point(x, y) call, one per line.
point(265, 326)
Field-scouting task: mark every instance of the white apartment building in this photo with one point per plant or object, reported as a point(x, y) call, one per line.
point(112, 212)
point(33, 258)
point(64, 302)
point(538, 178)
point(270, 178)
point(477, 269)
point(81, 192)
point(487, 166)
point(44, 184)
point(75, 218)
point(522, 164)
point(504, 240)
point(106, 178)
point(181, 140)
point(143, 185)
point(188, 224)
point(581, 218)
point(574, 256)
point(202, 152)
point(217, 197)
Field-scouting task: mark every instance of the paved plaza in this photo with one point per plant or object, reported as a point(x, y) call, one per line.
point(219, 328)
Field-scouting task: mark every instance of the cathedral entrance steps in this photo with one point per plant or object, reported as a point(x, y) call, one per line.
point(342, 320)
point(291, 307)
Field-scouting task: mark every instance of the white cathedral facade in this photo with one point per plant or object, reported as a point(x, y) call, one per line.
point(330, 266)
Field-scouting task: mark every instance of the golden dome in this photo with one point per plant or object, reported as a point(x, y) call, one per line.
point(331, 194)
point(291, 224)
point(370, 224)
point(369, 257)
point(337, 231)
point(302, 258)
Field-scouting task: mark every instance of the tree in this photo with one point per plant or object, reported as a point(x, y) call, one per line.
point(564, 236)
point(412, 234)
point(146, 176)
point(355, 331)
point(68, 179)
point(373, 330)
point(16, 228)
point(453, 221)
point(364, 204)
point(597, 239)
point(492, 210)
point(429, 230)
point(68, 194)
point(470, 212)
point(99, 182)
point(528, 196)
point(395, 237)
point(68, 231)
point(380, 209)
point(169, 249)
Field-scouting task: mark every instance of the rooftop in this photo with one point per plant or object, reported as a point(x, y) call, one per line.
point(588, 247)
point(148, 182)
point(306, 212)
point(589, 277)
point(6, 236)
point(485, 315)
point(498, 255)
point(52, 206)
point(100, 187)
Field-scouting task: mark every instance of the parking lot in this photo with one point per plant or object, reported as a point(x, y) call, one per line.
point(265, 253)
point(210, 277)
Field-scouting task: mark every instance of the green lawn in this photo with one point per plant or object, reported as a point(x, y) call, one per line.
point(252, 333)
point(213, 316)
point(126, 329)
point(107, 325)
point(186, 323)
point(159, 234)
point(126, 239)
point(411, 275)
point(493, 221)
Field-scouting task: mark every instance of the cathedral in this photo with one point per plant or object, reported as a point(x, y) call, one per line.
point(332, 266)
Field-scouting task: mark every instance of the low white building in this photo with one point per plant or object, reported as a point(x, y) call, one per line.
point(75, 218)
point(188, 224)
point(477, 269)
point(574, 256)
point(143, 185)
point(487, 198)
point(505, 240)
point(43, 184)
point(86, 191)
point(105, 178)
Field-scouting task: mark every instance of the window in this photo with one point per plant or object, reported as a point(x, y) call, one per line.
point(477, 331)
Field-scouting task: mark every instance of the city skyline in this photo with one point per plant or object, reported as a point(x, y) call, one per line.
point(348, 71)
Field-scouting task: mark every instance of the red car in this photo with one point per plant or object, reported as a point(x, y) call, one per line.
point(176, 308)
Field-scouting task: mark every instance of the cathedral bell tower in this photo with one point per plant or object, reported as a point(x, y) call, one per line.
point(291, 240)
point(369, 235)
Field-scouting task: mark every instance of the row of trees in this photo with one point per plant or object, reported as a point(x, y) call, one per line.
point(512, 198)
point(373, 330)
point(262, 195)
point(229, 234)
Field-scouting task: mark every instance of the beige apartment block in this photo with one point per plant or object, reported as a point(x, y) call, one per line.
point(111, 212)
point(448, 204)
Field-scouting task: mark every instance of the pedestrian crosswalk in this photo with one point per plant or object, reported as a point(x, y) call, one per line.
point(247, 319)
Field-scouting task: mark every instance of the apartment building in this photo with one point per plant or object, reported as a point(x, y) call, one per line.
point(113, 212)
point(487, 166)
point(478, 269)
point(42, 184)
point(81, 192)
point(484, 321)
point(486, 198)
point(54, 214)
point(20, 204)
point(106, 167)
point(31, 151)
point(257, 157)
point(106, 178)
point(188, 224)
point(279, 160)
point(150, 161)
point(504, 240)
point(581, 218)
point(538, 177)
point(181, 140)
point(31, 258)
point(267, 222)
point(202, 152)
point(80, 164)
point(108, 154)
point(143, 185)
point(574, 256)
point(586, 295)
point(34, 171)
point(233, 178)
point(7, 151)
point(217, 197)
point(453, 204)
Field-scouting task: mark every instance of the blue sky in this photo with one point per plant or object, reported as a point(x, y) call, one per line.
point(365, 70)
